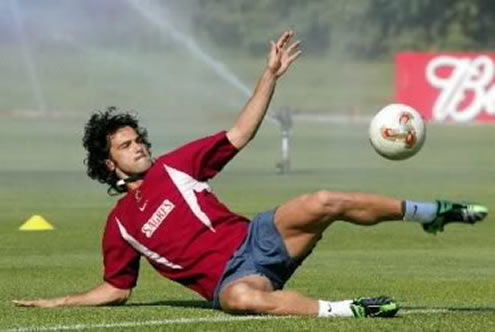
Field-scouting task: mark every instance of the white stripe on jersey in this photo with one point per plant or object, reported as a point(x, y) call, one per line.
point(187, 185)
point(145, 251)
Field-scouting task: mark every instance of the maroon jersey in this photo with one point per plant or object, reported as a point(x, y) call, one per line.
point(175, 221)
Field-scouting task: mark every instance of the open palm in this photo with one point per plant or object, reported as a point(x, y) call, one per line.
point(283, 53)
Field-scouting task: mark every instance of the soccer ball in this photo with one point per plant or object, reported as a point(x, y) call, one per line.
point(397, 132)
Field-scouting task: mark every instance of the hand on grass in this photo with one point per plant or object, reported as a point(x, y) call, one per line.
point(40, 303)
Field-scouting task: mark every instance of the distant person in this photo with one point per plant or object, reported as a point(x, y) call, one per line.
point(170, 216)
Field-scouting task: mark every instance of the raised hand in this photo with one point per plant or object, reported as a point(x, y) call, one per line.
point(283, 53)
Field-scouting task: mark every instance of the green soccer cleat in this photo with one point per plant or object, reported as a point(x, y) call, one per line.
point(449, 212)
point(373, 307)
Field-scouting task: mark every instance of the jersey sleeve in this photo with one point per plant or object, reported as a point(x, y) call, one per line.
point(202, 158)
point(120, 260)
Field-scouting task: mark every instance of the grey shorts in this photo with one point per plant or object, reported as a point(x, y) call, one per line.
point(263, 252)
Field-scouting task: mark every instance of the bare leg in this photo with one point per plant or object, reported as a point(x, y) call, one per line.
point(254, 294)
point(302, 220)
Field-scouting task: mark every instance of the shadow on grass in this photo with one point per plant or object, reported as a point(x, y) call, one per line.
point(176, 303)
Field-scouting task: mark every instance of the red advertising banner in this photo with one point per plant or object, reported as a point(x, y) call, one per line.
point(448, 87)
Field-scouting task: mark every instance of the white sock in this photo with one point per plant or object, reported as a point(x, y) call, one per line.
point(335, 309)
point(422, 212)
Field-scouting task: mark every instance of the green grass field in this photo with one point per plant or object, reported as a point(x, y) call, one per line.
point(444, 282)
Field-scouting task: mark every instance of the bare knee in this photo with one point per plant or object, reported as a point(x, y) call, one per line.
point(238, 298)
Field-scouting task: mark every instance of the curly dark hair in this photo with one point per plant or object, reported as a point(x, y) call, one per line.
point(97, 143)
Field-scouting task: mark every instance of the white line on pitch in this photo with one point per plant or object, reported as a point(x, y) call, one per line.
point(144, 323)
point(187, 321)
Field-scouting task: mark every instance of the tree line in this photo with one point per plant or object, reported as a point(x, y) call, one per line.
point(360, 28)
point(356, 28)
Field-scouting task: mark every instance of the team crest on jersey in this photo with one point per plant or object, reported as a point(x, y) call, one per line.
point(157, 218)
point(138, 195)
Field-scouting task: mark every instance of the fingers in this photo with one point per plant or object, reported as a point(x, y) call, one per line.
point(294, 56)
point(273, 48)
point(29, 303)
point(293, 48)
point(293, 52)
point(283, 53)
point(20, 303)
point(284, 39)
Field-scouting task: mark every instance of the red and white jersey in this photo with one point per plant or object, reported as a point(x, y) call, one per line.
point(175, 221)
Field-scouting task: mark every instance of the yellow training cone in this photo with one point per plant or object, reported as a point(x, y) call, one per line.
point(36, 223)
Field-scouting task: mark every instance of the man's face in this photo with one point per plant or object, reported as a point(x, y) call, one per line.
point(128, 154)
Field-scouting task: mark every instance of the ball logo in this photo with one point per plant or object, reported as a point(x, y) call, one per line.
point(465, 84)
point(404, 132)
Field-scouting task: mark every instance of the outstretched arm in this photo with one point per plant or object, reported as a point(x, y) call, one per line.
point(104, 294)
point(281, 55)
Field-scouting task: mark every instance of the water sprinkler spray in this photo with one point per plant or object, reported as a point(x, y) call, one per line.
point(159, 17)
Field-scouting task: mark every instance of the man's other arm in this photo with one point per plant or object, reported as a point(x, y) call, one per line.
point(104, 294)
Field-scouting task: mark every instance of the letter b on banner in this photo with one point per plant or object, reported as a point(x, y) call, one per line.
point(458, 87)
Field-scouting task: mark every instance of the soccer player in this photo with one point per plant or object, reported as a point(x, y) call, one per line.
point(170, 217)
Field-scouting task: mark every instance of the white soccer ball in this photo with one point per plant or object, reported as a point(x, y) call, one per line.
point(397, 132)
